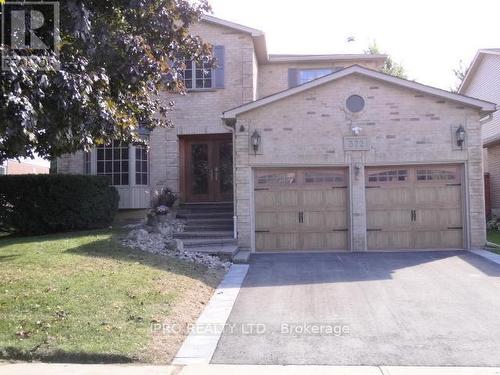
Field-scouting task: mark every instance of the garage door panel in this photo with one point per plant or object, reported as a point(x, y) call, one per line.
point(380, 218)
point(308, 212)
point(336, 219)
point(420, 209)
point(288, 241)
point(384, 197)
point(438, 195)
point(335, 198)
point(383, 240)
point(444, 217)
point(277, 241)
point(336, 240)
point(432, 239)
point(276, 220)
point(276, 200)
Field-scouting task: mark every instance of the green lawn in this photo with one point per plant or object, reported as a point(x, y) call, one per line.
point(494, 236)
point(83, 297)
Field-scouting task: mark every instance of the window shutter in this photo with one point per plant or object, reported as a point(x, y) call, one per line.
point(219, 69)
point(292, 78)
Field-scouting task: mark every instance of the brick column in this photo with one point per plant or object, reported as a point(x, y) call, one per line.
point(358, 205)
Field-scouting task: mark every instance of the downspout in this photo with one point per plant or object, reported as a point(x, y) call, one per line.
point(230, 124)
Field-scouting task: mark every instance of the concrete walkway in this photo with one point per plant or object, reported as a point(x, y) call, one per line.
point(74, 369)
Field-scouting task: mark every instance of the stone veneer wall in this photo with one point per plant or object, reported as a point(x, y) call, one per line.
point(403, 126)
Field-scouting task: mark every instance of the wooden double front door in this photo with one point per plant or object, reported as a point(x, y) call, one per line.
point(207, 168)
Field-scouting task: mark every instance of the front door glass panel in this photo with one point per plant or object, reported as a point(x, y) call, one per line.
point(226, 168)
point(200, 171)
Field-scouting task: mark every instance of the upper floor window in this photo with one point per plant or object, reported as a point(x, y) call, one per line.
point(112, 162)
point(2, 170)
point(307, 75)
point(202, 76)
point(198, 76)
point(300, 76)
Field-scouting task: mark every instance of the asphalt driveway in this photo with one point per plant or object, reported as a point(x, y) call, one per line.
point(427, 308)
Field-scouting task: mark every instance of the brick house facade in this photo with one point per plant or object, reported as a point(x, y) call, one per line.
point(317, 152)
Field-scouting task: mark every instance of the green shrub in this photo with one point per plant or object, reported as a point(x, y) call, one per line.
point(37, 204)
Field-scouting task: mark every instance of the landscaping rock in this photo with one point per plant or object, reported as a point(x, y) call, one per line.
point(158, 239)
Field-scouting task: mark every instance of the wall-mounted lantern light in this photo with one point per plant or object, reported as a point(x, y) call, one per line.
point(255, 140)
point(460, 134)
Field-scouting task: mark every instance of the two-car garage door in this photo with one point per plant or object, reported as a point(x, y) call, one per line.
point(417, 207)
point(407, 207)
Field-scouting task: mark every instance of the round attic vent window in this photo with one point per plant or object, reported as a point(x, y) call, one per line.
point(355, 103)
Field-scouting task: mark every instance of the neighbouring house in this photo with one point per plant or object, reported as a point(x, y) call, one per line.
point(24, 166)
point(316, 152)
point(483, 81)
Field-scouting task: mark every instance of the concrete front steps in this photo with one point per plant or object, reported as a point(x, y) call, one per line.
point(209, 229)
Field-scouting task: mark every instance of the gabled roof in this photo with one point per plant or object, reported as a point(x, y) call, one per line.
point(259, 38)
point(484, 106)
point(475, 65)
point(259, 41)
point(330, 57)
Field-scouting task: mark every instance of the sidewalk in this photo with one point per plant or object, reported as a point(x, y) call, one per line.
point(75, 369)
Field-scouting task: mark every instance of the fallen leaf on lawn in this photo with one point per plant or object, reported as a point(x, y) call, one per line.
point(23, 334)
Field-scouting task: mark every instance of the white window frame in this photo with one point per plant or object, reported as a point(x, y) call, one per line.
point(113, 161)
point(131, 167)
point(193, 68)
point(325, 71)
point(141, 172)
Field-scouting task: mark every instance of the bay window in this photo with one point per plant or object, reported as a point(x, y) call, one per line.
point(123, 164)
point(141, 165)
point(112, 162)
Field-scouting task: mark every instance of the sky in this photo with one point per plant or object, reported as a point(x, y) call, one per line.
point(429, 38)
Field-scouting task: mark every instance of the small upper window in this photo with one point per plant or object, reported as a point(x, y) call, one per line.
point(323, 177)
point(400, 175)
point(307, 75)
point(434, 175)
point(277, 179)
point(198, 75)
point(355, 103)
point(2, 169)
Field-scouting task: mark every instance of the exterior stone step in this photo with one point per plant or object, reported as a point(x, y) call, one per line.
point(228, 250)
point(212, 221)
point(205, 208)
point(204, 242)
point(212, 234)
point(242, 256)
point(206, 205)
point(205, 215)
point(190, 227)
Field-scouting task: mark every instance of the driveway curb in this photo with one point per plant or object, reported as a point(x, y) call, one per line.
point(199, 347)
point(495, 258)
